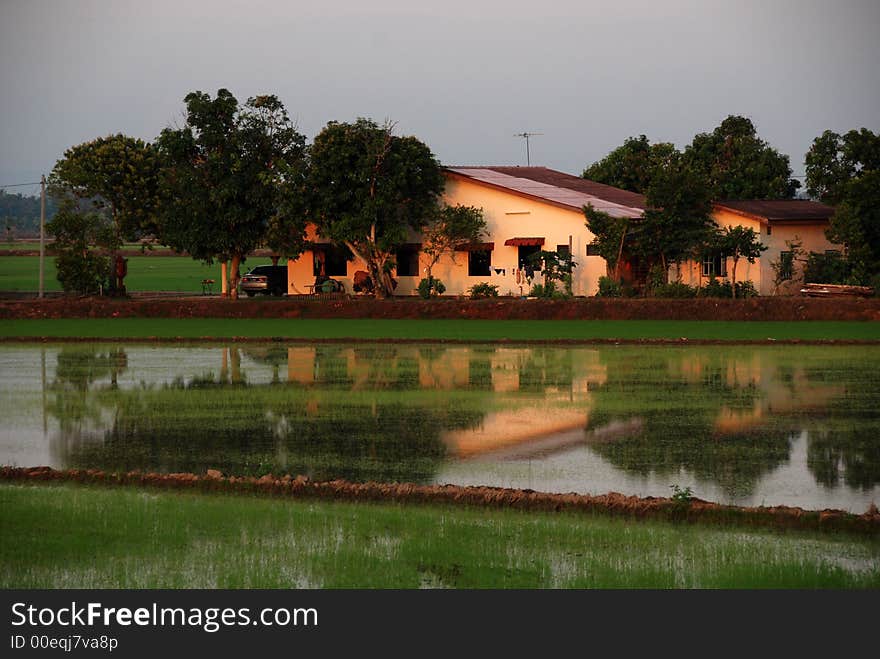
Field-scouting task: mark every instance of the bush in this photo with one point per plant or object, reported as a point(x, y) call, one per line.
point(540, 290)
point(674, 290)
point(715, 288)
point(609, 287)
point(86, 274)
point(431, 287)
point(483, 290)
point(828, 268)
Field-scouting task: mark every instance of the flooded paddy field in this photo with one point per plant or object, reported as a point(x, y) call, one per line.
point(744, 425)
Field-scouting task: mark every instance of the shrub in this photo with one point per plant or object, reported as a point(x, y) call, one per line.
point(827, 268)
point(547, 290)
point(675, 289)
point(86, 274)
point(483, 290)
point(609, 287)
point(431, 287)
point(715, 288)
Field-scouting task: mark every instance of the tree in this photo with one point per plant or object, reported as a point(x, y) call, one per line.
point(119, 175)
point(678, 216)
point(845, 171)
point(370, 188)
point(82, 240)
point(610, 236)
point(736, 164)
point(632, 165)
point(225, 179)
point(739, 242)
point(450, 227)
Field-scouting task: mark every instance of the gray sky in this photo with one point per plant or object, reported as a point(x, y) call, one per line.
point(463, 76)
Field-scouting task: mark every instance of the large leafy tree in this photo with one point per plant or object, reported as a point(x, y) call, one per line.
point(225, 178)
point(119, 177)
point(369, 189)
point(632, 165)
point(118, 174)
point(844, 170)
point(737, 164)
point(677, 220)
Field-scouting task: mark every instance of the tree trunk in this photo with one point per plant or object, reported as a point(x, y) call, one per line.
point(733, 276)
point(233, 276)
point(619, 256)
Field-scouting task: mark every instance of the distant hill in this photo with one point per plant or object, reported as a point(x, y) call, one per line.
point(20, 215)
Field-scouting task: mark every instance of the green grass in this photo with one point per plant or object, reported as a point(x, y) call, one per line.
point(78, 537)
point(470, 330)
point(145, 273)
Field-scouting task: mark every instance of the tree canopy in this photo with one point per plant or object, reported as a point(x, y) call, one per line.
point(844, 170)
point(678, 219)
point(737, 164)
point(223, 178)
point(732, 161)
point(632, 165)
point(118, 174)
point(370, 188)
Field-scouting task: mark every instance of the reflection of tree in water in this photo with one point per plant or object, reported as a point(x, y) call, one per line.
point(678, 408)
point(735, 462)
point(326, 432)
point(84, 378)
point(851, 455)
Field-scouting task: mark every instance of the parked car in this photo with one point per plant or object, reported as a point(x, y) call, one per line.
point(266, 279)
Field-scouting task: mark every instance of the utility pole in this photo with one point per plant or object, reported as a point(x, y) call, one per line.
point(526, 136)
point(42, 230)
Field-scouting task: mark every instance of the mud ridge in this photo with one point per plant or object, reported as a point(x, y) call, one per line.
point(754, 309)
point(615, 504)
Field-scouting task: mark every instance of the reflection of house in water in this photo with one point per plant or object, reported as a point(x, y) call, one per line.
point(774, 391)
point(547, 391)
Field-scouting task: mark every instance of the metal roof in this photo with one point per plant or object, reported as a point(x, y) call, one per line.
point(781, 210)
point(563, 196)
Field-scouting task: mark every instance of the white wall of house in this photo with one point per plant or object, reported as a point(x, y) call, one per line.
point(774, 236)
point(508, 215)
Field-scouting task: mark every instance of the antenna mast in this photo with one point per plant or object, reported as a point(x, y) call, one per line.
point(526, 137)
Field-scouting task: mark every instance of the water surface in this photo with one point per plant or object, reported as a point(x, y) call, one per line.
point(793, 425)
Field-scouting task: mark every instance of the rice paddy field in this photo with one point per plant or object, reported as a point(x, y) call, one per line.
point(747, 425)
point(145, 273)
point(80, 537)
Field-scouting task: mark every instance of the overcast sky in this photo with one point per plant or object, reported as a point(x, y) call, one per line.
point(463, 76)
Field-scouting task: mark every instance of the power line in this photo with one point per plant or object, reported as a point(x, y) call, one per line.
point(19, 185)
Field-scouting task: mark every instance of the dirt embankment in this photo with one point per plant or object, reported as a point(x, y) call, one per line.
point(755, 309)
point(300, 487)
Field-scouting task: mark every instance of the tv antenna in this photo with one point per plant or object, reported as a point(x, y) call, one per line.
point(526, 137)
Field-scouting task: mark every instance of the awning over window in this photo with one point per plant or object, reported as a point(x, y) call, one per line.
point(523, 242)
point(475, 247)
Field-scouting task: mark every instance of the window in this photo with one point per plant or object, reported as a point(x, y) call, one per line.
point(408, 261)
point(715, 265)
point(769, 230)
point(525, 251)
point(563, 250)
point(786, 265)
point(331, 261)
point(480, 263)
point(593, 250)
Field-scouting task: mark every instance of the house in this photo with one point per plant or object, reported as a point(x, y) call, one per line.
point(527, 209)
point(779, 223)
